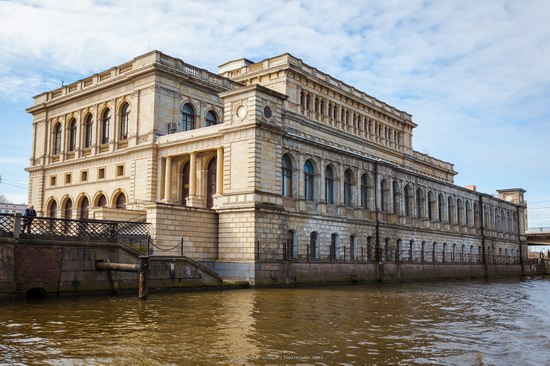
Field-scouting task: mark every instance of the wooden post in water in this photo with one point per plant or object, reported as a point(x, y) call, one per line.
point(143, 272)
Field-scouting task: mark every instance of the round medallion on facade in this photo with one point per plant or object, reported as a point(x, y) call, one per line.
point(267, 112)
point(241, 111)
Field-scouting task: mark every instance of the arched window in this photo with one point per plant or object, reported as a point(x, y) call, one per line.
point(313, 245)
point(53, 209)
point(124, 118)
point(352, 247)
point(68, 209)
point(302, 98)
point(432, 206)
point(211, 119)
point(434, 252)
point(462, 252)
point(471, 256)
point(441, 206)
point(186, 175)
point(290, 252)
point(347, 188)
point(364, 192)
point(89, 128)
point(396, 197)
point(72, 135)
point(121, 201)
point(453, 256)
point(102, 201)
point(419, 203)
point(329, 185)
point(398, 251)
point(385, 196)
point(333, 243)
point(188, 117)
point(408, 201)
point(411, 251)
point(57, 139)
point(84, 208)
point(211, 183)
point(444, 252)
point(286, 176)
point(105, 126)
point(308, 181)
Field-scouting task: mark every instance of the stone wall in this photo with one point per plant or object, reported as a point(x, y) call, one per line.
point(198, 228)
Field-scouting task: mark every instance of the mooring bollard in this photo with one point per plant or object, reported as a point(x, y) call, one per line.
point(143, 272)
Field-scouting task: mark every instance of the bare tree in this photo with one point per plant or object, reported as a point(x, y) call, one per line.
point(4, 199)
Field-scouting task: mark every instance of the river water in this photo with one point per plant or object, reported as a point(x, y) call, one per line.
point(501, 322)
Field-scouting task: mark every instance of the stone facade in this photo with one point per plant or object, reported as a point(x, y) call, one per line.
point(267, 161)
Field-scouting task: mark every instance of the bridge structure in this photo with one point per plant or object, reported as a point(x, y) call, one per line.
point(539, 236)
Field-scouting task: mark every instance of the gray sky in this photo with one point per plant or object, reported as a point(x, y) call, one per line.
point(475, 75)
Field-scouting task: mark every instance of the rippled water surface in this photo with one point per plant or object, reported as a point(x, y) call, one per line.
point(503, 322)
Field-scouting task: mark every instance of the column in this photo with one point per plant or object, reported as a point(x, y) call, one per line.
point(168, 180)
point(193, 175)
point(219, 171)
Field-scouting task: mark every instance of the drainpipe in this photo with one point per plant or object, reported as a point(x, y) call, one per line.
point(482, 228)
point(519, 243)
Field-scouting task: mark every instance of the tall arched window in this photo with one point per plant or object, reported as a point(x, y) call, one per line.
point(352, 247)
point(286, 176)
point(102, 201)
point(347, 188)
point(57, 139)
point(313, 245)
point(396, 197)
point(364, 192)
point(423, 252)
point(290, 250)
point(411, 251)
point(211, 119)
point(329, 185)
point(53, 209)
point(387, 252)
point(72, 135)
point(434, 252)
point(419, 203)
point(477, 220)
point(105, 126)
point(453, 256)
point(124, 121)
point(432, 206)
point(333, 243)
point(369, 249)
point(408, 201)
point(188, 117)
point(308, 181)
point(121, 201)
point(444, 252)
point(89, 128)
point(68, 209)
point(84, 208)
point(211, 183)
point(385, 196)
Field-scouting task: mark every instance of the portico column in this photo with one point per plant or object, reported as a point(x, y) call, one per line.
point(168, 179)
point(219, 171)
point(193, 175)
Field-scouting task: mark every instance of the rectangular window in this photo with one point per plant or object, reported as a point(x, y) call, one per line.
point(120, 170)
point(53, 181)
point(67, 178)
point(101, 173)
point(84, 176)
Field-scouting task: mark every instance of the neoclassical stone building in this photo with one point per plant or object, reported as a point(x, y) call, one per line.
point(263, 165)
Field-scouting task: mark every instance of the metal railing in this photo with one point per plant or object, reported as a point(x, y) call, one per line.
point(127, 232)
point(284, 252)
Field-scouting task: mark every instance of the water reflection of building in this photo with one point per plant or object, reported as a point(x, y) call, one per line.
point(268, 160)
